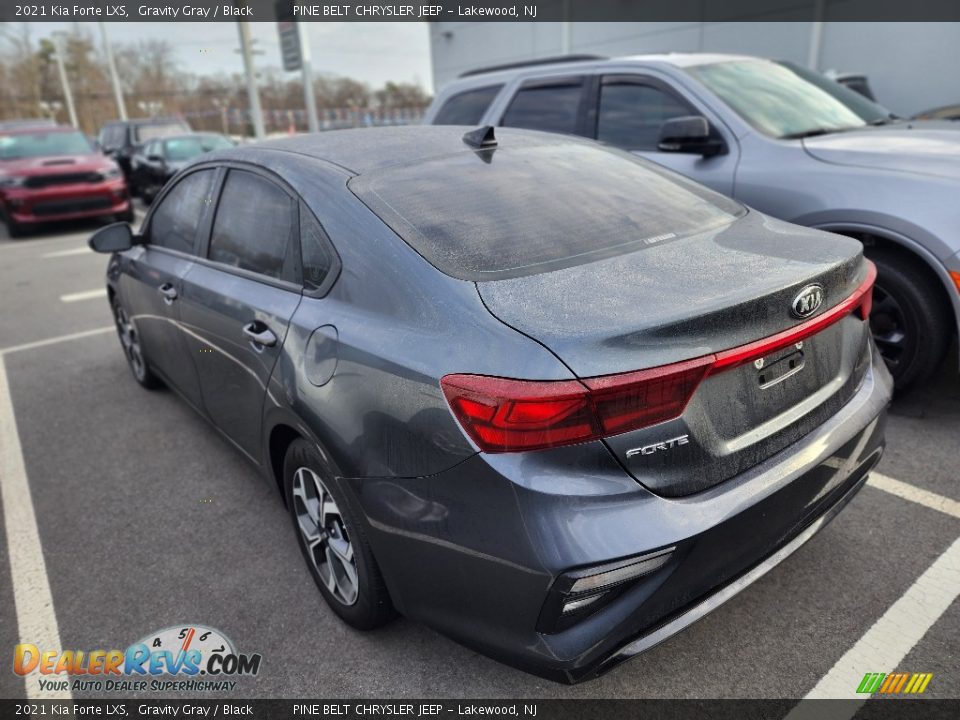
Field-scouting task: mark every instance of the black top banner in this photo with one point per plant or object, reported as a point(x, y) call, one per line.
point(482, 10)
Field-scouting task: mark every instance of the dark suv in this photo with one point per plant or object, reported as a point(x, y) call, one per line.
point(120, 138)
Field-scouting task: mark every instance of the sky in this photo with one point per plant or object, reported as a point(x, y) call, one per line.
point(371, 52)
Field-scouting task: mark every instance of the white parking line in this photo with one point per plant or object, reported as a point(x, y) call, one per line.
point(915, 494)
point(86, 295)
point(32, 599)
point(67, 253)
point(886, 644)
point(55, 340)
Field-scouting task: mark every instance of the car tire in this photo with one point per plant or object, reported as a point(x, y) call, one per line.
point(332, 540)
point(14, 229)
point(909, 321)
point(130, 343)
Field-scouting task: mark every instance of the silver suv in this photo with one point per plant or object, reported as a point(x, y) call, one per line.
point(779, 138)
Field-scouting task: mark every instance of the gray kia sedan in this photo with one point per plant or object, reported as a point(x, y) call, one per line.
point(779, 138)
point(547, 397)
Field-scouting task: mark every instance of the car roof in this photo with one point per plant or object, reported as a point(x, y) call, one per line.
point(34, 129)
point(526, 69)
point(146, 121)
point(183, 136)
point(362, 150)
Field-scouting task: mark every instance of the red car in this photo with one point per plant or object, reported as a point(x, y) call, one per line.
point(54, 173)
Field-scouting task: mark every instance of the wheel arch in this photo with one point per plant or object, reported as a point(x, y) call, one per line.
point(882, 237)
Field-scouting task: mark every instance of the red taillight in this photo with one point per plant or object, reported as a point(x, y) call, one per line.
point(505, 415)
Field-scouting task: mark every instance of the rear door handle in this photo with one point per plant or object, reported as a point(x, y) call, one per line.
point(169, 292)
point(260, 334)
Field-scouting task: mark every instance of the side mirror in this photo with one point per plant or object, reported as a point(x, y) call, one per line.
point(689, 134)
point(112, 238)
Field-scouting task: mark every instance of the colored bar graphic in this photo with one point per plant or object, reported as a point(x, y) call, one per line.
point(894, 683)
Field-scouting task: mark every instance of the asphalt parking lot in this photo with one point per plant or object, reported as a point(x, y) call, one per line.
point(148, 519)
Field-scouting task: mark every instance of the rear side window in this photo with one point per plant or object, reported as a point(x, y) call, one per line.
point(468, 107)
point(510, 212)
point(317, 255)
point(631, 114)
point(552, 107)
point(113, 136)
point(254, 225)
point(176, 219)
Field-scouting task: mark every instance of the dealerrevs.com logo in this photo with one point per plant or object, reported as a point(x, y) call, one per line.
point(182, 658)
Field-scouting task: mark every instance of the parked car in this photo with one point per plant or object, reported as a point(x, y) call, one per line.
point(858, 82)
point(947, 112)
point(549, 398)
point(120, 138)
point(53, 173)
point(156, 161)
point(19, 123)
point(771, 136)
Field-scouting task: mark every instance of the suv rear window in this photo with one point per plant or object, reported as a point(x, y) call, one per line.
point(468, 107)
point(149, 132)
point(511, 212)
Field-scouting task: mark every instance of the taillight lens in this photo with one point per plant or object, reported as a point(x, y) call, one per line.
point(503, 415)
point(506, 415)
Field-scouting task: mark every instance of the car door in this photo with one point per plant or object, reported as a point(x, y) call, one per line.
point(152, 285)
point(632, 108)
point(238, 300)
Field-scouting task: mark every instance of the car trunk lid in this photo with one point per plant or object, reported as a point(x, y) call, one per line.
point(725, 294)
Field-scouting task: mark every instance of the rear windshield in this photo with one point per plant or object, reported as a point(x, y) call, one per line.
point(511, 212)
point(149, 132)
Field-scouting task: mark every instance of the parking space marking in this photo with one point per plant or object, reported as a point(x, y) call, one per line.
point(67, 253)
point(887, 642)
point(85, 295)
point(32, 598)
point(915, 494)
point(55, 340)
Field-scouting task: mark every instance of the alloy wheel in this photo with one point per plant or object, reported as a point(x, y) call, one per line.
point(888, 325)
point(130, 340)
point(325, 537)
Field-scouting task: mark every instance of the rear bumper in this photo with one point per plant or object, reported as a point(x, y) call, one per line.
point(475, 550)
point(66, 202)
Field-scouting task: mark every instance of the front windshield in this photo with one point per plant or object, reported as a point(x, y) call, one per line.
point(39, 144)
point(186, 148)
point(775, 100)
point(871, 112)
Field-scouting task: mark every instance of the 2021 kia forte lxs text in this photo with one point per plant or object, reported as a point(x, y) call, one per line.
point(549, 398)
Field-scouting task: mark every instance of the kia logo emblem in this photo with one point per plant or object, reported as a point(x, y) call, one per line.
point(807, 301)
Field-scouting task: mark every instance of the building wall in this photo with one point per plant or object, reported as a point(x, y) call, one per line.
point(911, 66)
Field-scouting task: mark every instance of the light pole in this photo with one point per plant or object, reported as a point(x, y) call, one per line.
point(114, 79)
point(51, 108)
point(256, 114)
point(311, 102)
point(64, 82)
point(222, 105)
point(151, 107)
